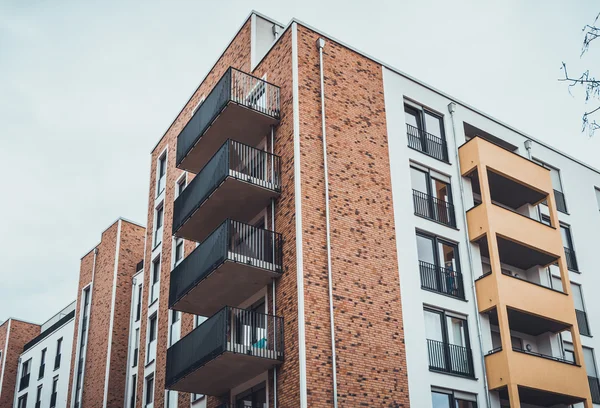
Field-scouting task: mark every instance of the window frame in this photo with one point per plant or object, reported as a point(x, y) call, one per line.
point(419, 111)
point(444, 325)
point(159, 215)
point(149, 394)
point(161, 171)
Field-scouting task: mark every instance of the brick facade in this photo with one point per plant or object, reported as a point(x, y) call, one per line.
point(130, 241)
point(370, 341)
point(20, 334)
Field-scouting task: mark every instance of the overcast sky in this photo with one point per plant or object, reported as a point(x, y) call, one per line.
point(88, 87)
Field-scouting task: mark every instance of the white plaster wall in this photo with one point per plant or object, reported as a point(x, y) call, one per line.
point(578, 183)
point(63, 372)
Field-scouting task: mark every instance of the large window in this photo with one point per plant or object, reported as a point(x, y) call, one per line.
point(138, 310)
point(597, 192)
point(255, 397)
point(448, 343)
point(175, 327)
point(582, 320)
point(58, 353)
point(42, 364)
point(559, 196)
point(54, 392)
point(155, 276)
point(137, 347)
point(25, 374)
point(452, 399)
point(158, 224)
point(149, 390)
point(22, 402)
point(133, 389)
point(38, 396)
point(425, 131)
point(178, 251)
point(431, 196)
point(567, 239)
point(439, 265)
point(161, 173)
point(151, 349)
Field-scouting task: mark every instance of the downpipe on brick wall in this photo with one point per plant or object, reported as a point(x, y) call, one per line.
point(274, 281)
point(320, 45)
point(451, 109)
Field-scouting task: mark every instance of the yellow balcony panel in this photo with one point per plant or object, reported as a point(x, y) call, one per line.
point(535, 373)
point(486, 218)
point(532, 308)
point(478, 152)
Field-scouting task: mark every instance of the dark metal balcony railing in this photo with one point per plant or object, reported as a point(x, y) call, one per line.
point(561, 204)
point(450, 358)
point(24, 382)
point(235, 160)
point(546, 356)
point(582, 323)
point(433, 208)
point(234, 241)
point(442, 280)
point(427, 143)
point(571, 259)
point(234, 86)
point(230, 330)
point(594, 389)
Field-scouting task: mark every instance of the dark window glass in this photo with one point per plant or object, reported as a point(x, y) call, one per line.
point(149, 390)
point(152, 328)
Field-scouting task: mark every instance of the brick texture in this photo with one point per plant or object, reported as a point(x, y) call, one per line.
point(131, 246)
point(20, 334)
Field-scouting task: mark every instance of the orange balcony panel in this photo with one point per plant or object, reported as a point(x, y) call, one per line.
point(513, 226)
point(526, 297)
point(479, 152)
point(537, 373)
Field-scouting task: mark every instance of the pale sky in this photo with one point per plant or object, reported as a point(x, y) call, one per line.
point(88, 87)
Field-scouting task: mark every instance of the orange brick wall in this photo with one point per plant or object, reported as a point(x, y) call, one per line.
point(20, 334)
point(371, 364)
point(130, 252)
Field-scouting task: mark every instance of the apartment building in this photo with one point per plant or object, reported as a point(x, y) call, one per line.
point(99, 349)
point(326, 230)
point(14, 334)
point(44, 364)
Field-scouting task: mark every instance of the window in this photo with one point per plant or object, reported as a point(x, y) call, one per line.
point(54, 391)
point(25, 370)
point(597, 191)
point(178, 250)
point(431, 196)
point(425, 132)
point(155, 280)
point(565, 232)
point(516, 342)
point(559, 196)
point(58, 353)
point(82, 333)
point(452, 399)
point(439, 265)
point(149, 390)
point(254, 397)
point(138, 312)
point(38, 397)
point(198, 320)
point(22, 403)
point(161, 173)
point(582, 320)
point(158, 225)
point(133, 388)
point(448, 343)
point(151, 349)
point(42, 364)
point(174, 328)
point(181, 184)
point(137, 347)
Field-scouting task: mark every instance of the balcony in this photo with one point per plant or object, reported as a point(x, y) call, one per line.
point(433, 208)
point(450, 358)
point(233, 263)
point(238, 174)
point(240, 106)
point(542, 380)
point(231, 347)
point(571, 260)
point(441, 280)
point(427, 143)
point(582, 323)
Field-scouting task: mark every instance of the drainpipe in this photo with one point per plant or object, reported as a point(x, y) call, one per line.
point(274, 281)
point(320, 45)
point(452, 109)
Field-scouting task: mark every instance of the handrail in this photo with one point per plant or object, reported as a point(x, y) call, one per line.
point(427, 143)
point(442, 280)
point(434, 208)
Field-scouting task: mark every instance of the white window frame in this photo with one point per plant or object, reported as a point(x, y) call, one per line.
point(158, 231)
point(182, 178)
point(154, 294)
